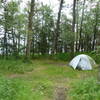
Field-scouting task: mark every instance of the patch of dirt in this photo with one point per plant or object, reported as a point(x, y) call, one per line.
point(15, 75)
point(60, 93)
point(36, 70)
point(57, 64)
point(19, 75)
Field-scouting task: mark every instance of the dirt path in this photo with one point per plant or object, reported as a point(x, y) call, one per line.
point(60, 93)
point(36, 70)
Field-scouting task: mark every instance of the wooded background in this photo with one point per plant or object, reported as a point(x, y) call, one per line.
point(37, 30)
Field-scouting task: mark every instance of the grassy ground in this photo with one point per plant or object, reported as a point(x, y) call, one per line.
point(39, 80)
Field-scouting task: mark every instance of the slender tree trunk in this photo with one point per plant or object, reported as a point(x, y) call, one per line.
point(14, 43)
point(43, 35)
point(74, 16)
point(95, 29)
point(57, 30)
point(5, 47)
point(77, 32)
point(73, 26)
point(5, 44)
point(65, 48)
point(18, 43)
point(29, 37)
point(24, 44)
point(81, 26)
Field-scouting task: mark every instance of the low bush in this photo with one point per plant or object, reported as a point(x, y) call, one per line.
point(14, 89)
point(67, 56)
point(62, 56)
point(16, 66)
point(87, 89)
point(7, 89)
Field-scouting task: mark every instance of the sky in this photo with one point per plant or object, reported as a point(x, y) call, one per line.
point(54, 4)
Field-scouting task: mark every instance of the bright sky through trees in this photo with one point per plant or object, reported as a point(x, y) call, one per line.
point(54, 4)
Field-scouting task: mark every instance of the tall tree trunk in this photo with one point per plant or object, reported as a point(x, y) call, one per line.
point(19, 43)
point(57, 30)
point(81, 26)
point(43, 35)
point(5, 47)
point(74, 15)
point(77, 32)
point(15, 54)
point(5, 44)
point(95, 28)
point(29, 37)
point(73, 26)
point(24, 44)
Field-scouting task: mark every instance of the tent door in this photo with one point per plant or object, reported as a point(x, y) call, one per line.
point(78, 65)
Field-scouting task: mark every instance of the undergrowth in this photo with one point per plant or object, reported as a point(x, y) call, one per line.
point(13, 90)
point(87, 89)
point(16, 66)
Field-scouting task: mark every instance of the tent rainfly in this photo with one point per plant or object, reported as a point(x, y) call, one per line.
point(83, 62)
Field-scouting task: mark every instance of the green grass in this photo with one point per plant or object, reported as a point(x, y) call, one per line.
point(14, 89)
point(87, 89)
point(16, 66)
point(39, 79)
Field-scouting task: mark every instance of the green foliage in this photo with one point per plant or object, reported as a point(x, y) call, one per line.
point(13, 89)
point(17, 66)
point(14, 24)
point(7, 89)
point(40, 83)
point(98, 49)
point(42, 89)
point(59, 56)
point(87, 89)
point(67, 56)
point(94, 55)
point(63, 56)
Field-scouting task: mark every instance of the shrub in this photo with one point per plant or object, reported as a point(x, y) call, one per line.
point(67, 56)
point(8, 89)
point(87, 89)
point(16, 66)
point(63, 56)
point(14, 89)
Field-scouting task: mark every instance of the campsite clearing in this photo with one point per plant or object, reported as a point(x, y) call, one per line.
point(42, 77)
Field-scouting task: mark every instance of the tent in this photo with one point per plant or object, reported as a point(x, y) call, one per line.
point(83, 62)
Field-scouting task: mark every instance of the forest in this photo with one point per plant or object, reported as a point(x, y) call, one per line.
point(37, 42)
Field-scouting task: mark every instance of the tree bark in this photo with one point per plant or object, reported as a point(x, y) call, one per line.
point(5, 44)
point(18, 43)
point(5, 47)
point(29, 36)
point(77, 31)
point(95, 28)
point(74, 16)
point(57, 30)
point(15, 54)
point(81, 25)
point(73, 26)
